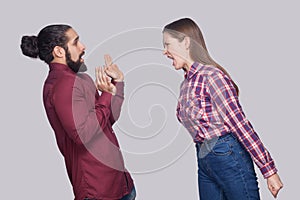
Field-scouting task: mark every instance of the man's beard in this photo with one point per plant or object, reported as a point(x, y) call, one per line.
point(76, 66)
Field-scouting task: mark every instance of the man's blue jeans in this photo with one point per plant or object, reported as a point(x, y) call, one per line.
point(225, 170)
point(130, 196)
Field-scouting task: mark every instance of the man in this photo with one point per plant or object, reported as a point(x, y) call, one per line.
point(81, 118)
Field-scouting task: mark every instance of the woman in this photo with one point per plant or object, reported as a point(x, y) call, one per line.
point(209, 108)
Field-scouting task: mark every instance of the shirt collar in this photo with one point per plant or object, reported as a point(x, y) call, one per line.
point(193, 70)
point(60, 66)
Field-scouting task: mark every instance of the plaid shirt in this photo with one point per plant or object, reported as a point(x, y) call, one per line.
point(208, 107)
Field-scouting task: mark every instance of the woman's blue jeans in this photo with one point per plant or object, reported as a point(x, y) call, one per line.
point(225, 170)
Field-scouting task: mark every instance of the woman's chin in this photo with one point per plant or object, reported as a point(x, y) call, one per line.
point(177, 67)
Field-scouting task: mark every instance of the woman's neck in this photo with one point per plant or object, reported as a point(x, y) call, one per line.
point(188, 65)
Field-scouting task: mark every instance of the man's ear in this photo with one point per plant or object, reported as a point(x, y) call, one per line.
point(59, 52)
point(187, 42)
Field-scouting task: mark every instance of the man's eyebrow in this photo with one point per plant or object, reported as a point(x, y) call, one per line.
point(76, 40)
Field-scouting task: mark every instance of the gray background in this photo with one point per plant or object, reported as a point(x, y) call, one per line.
point(256, 41)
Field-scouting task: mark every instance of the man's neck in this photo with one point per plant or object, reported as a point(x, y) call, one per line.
point(60, 61)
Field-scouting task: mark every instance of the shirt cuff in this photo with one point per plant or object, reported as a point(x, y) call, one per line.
point(105, 99)
point(268, 169)
point(120, 88)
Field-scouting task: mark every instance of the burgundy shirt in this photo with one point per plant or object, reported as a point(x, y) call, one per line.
point(82, 121)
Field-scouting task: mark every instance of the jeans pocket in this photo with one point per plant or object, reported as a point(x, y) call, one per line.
point(222, 149)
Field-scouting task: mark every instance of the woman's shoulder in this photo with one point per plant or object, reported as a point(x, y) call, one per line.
point(213, 73)
point(209, 70)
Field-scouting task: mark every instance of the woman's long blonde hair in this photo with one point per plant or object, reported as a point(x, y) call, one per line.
point(186, 27)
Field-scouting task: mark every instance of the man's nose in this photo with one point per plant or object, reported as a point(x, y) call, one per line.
point(82, 46)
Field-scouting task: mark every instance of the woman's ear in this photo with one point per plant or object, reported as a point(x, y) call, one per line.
point(187, 42)
point(59, 52)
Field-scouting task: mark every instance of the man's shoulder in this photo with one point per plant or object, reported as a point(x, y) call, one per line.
point(66, 79)
point(60, 81)
point(65, 82)
point(84, 76)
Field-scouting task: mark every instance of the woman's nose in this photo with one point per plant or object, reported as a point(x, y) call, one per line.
point(165, 52)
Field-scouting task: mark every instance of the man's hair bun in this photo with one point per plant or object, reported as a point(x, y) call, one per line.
point(29, 46)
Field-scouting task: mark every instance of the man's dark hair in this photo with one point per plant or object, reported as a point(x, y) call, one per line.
point(42, 45)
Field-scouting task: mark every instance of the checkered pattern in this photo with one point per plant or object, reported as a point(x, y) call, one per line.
point(208, 107)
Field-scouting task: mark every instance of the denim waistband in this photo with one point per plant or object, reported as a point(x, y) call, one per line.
point(221, 138)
